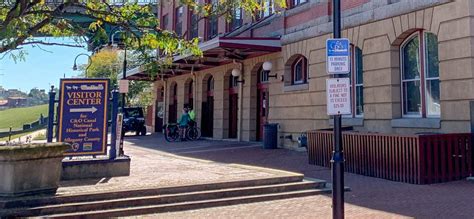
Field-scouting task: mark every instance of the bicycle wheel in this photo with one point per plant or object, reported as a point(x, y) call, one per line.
point(193, 133)
point(171, 133)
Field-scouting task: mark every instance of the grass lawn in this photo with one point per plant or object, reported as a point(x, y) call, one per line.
point(18, 116)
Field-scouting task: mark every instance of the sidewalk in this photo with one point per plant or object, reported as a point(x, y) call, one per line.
point(369, 198)
point(155, 169)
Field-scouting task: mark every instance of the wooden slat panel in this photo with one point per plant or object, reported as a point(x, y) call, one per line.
point(405, 158)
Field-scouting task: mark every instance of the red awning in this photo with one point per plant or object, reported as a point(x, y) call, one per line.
point(216, 52)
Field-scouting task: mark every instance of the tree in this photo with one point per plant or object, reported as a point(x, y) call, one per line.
point(107, 63)
point(22, 20)
point(38, 96)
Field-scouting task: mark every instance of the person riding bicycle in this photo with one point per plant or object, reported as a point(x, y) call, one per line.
point(183, 123)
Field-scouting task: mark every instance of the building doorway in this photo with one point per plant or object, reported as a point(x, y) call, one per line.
point(233, 106)
point(189, 93)
point(207, 121)
point(159, 110)
point(173, 106)
point(262, 102)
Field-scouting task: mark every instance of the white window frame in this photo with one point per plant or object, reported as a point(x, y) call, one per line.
point(422, 80)
point(304, 70)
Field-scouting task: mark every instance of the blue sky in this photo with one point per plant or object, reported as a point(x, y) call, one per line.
point(41, 68)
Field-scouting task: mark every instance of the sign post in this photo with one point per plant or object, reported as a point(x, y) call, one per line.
point(338, 63)
point(83, 116)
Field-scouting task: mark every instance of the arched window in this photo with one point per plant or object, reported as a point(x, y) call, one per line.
point(420, 76)
point(262, 75)
point(210, 84)
point(299, 71)
point(356, 77)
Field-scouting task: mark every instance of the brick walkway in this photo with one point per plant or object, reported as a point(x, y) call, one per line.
point(152, 168)
point(369, 198)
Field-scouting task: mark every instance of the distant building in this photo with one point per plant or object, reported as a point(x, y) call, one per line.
point(17, 102)
point(3, 104)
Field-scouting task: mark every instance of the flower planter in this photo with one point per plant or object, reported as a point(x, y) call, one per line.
point(30, 169)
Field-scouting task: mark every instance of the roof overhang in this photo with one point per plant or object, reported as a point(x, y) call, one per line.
point(216, 52)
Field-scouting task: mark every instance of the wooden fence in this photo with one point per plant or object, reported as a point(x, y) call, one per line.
point(417, 159)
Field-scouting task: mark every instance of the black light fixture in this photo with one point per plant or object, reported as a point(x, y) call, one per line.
point(74, 67)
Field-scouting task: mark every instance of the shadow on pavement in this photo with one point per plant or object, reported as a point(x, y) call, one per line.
point(450, 200)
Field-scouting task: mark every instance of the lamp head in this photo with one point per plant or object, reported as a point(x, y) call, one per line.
point(267, 66)
point(74, 67)
point(236, 72)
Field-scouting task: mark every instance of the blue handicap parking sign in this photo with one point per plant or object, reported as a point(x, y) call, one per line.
point(338, 56)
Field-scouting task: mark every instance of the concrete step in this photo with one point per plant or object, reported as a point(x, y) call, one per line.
point(140, 210)
point(42, 201)
point(163, 199)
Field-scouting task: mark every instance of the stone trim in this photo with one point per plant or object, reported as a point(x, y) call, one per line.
point(432, 123)
point(358, 121)
point(296, 87)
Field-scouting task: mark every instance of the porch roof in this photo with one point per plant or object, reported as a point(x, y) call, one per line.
point(216, 52)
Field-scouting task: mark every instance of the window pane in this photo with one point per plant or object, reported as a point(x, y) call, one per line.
point(411, 60)
point(298, 71)
point(359, 66)
point(432, 62)
point(432, 97)
point(359, 100)
point(411, 97)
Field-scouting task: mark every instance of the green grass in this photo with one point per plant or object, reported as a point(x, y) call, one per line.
point(18, 116)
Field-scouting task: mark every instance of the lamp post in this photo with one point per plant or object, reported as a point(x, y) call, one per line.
point(267, 67)
point(124, 68)
point(74, 67)
point(338, 155)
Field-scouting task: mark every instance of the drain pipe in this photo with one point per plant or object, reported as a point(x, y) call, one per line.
point(241, 100)
point(165, 102)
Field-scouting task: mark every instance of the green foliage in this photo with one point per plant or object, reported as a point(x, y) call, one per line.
point(38, 96)
point(16, 117)
point(108, 64)
point(22, 20)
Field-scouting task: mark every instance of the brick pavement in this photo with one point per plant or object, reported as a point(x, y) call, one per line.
point(370, 197)
point(152, 169)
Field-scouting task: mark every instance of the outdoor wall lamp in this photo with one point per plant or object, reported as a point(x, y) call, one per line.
point(267, 67)
point(74, 67)
point(236, 73)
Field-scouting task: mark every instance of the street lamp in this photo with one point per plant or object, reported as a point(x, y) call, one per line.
point(124, 70)
point(236, 73)
point(74, 67)
point(267, 68)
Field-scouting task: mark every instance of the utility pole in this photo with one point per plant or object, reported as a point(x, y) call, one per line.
point(338, 156)
point(124, 70)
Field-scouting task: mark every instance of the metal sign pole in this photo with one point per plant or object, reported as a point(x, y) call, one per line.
point(52, 100)
point(338, 157)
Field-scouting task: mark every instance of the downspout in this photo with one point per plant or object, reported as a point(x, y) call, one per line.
point(194, 88)
point(165, 102)
point(241, 100)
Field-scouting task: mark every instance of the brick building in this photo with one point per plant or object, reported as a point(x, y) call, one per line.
point(412, 67)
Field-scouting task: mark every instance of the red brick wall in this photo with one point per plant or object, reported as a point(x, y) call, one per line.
point(318, 10)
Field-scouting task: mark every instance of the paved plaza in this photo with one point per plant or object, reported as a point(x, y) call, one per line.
point(369, 198)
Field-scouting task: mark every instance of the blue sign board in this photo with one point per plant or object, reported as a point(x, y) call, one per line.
point(83, 116)
point(338, 56)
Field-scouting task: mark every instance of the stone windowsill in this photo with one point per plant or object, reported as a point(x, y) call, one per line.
point(297, 87)
point(432, 123)
point(298, 9)
point(349, 122)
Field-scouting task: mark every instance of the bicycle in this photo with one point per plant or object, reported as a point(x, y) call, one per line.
point(172, 132)
point(193, 133)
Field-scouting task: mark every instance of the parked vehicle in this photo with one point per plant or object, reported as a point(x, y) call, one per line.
point(133, 120)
